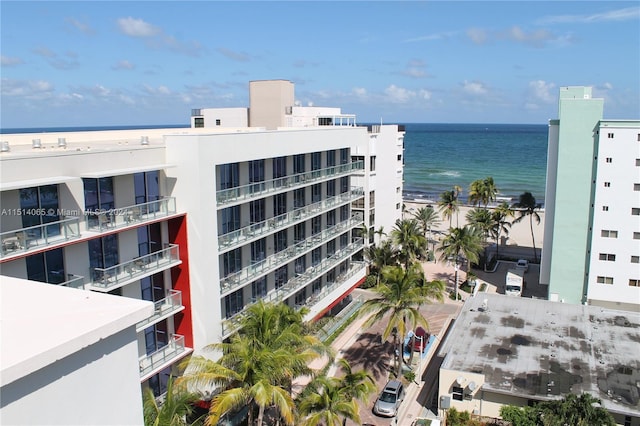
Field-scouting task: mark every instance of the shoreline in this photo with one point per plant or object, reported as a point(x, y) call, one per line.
point(519, 233)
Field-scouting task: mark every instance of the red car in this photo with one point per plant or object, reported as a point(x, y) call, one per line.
point(420, 340)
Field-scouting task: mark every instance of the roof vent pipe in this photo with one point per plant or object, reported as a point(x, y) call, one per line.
point(5, 146)
point(36, 143)
point(144, 140)
point(62, 142)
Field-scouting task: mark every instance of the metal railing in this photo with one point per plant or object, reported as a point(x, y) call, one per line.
point(163, 308)
point(271, 263)
point(22, 240)
point(106, 220)
point(74, 281)
point(277, 223)
point(260, 189)
point(156, 360)
point(300, 281)
point(342, 317)
point(105, 279)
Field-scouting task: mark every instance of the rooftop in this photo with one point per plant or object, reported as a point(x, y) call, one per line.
point(540, 349)
point(42, 323)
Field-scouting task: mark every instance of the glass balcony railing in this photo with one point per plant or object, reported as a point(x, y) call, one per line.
point(271, 263)
point(302, 280)
point(74, 281)
point(26, 239)
point(355, 268)
point(106, 220)
point(261, 189)
point(154, 362)
point(107, 279)
point(162, 309)
point(269, 226)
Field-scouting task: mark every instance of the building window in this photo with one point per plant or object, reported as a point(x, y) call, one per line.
point(610, 135)
point(607, 184)
point(281, 276)
point(316, 160)
point(331, 276)
point(325, 121)
point(232, 261)
point(279, 167)
point(458, 393)
point(344, 240)
point(636, 186)
point(331, 248)
point(218, 122)
point(604, 280)
point(299, 233)
point(259, 288)
point(229, 175)
point(397, 190)
point(635, 259)
point(372, 217)
point(300, 297)
point(372, 163)
point(47, 267)
point(298, 164)
point(316, 225)
point(316, 256)
point(331, 188)
point(280, 240)
point(198, 122)
point(344, 184)
point(316, 287)
point(331, 158)
point(608, 233)
point(608, 257)
point(344, 213)
point(316, 193)
point(636, 235)
point(299, 198)
point(357, 159)
point(279, 204)
point(399, 157)
point(257, 211)
point(230, 219)
point(233, 303)
point(103, 253)
point(344, 156)
point(331, 218)
point(256, 171)
point(605, 208)
point(635, 211)
point(634, 283)
point(300, 265)
point(258, 250)
point(609, 160)
point(147, 187)
point(637, 162)
point(42, 201)
point(372, 198)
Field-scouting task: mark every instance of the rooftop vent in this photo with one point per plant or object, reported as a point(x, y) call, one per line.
point(144, 140)
point(36, 143)
point(62, 142)
point(5, 146)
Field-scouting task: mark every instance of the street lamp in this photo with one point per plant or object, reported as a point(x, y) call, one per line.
point(456, 283)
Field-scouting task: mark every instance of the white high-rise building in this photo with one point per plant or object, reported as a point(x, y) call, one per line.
point(592, 219)
point(202, 221)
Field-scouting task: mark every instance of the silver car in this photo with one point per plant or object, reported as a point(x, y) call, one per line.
point(389, 400)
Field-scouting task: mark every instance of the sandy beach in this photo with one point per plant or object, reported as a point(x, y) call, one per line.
point(519, 234)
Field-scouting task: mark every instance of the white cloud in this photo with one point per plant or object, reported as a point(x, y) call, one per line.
point(477, 35)
point(625, 14)
point(28, 89)
point(360, 92)
point(236, 56)
point(424, 94)
point(542, 91)
point(137, 27)
point(474, 87)
point(7, 61)
point(399, 95)
point(80, 26)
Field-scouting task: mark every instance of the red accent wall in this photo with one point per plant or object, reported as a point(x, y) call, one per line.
point(338, 300)
point(180, 278)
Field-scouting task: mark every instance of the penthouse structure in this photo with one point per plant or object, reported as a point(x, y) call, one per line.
point(246, 205)
point(592, 205)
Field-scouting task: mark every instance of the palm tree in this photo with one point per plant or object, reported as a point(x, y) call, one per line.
point(527, 206)
point(476, 189)
point(356, 384)
point(399, 295)
point(583, 410)
point(500, 223)
point(426, 217)
point(407, 235)
point(459, 242)
point(490, 191)
point(480, 220)
point(457, 190)
point(175, 409)
point(448, 205)
point(482, 191)
point(380, 256)
point(328, 405)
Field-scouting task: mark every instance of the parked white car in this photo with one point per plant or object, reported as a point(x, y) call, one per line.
point(523, 265)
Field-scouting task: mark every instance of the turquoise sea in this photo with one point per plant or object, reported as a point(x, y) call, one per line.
point(439, 156)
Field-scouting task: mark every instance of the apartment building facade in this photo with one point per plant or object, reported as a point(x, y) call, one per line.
point(592, 215)
point(202, 222)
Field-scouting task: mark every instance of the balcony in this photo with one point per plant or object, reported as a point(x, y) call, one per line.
point(302, 280)
point(262, 189)
point(163, 308)
point(74, 281)
point(163, 357)
point(27, 239)
point(233, 239)
point(232, 282)
point(107, 220)
point(107, 279)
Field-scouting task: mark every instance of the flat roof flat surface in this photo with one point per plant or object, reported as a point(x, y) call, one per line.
point(540, 349)
point(42, 323)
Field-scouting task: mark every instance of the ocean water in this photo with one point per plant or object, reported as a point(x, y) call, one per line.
point(439, 156)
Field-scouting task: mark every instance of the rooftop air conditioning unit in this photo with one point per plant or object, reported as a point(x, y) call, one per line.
point(36, 143)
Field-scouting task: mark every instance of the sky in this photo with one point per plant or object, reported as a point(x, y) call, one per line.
point(111, 63)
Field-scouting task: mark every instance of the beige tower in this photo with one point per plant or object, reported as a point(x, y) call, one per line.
point(269, 102)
